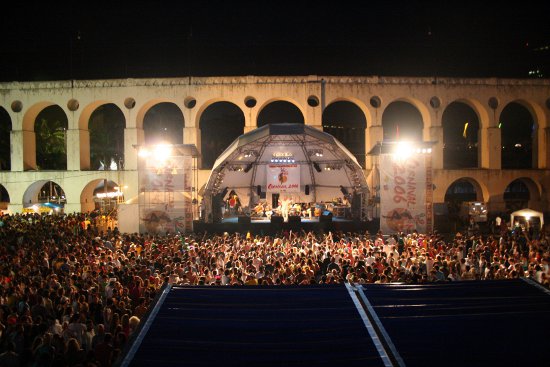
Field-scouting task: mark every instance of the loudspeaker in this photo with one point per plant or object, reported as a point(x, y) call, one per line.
point(243, 219)
point(326, 216)
point(294, 219)
point(307, 189)
point(317, 167)
point(258, 190)
point(277, 219)
point(344, 190)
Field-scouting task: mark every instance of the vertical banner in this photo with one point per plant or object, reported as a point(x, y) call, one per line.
point(165, 195)
point(403, 184)
point(283, 178)
point(429, 193)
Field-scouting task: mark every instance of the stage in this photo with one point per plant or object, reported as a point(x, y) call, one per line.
point(263, 225)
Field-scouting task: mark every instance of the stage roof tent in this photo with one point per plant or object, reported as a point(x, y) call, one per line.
point(326, 166)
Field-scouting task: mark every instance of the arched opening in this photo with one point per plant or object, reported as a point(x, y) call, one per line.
point(100, 198)
point(107, 195)
point(50, 129)
point(221, 123)
point(517, 195)
point(106, 128)
point(346, 122)
point(518, 132)
point(4, 198)
point(460, 136)
point(280, 112)
point(44, 197)
point(163, 123)
point(402, 121)
point(457, 198)
point(5, 133)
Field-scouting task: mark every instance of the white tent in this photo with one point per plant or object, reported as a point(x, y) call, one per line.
point(323, 168)
point(527, 214)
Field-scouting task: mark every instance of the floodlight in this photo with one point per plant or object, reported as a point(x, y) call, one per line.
point(402, 150)
point(162, 152)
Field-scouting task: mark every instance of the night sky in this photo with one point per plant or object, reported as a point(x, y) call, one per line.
point(209, 38)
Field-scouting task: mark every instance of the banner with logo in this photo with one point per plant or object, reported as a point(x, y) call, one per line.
point(403, 193)
point(283, 178)
point(165, 195)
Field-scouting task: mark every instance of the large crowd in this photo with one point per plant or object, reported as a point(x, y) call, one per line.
point(73, 295)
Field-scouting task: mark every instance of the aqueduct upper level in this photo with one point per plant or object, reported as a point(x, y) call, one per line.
point(310, 98)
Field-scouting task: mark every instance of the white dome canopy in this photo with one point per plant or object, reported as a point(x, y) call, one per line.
point(326, 168)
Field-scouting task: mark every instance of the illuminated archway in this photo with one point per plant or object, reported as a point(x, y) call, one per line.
point(519, 192)
point(4, 198)
point(518, 135)
point(44, 194)
point(50, 129)
point(280, 112)
point(102, 195)
point(460, 136)
point(5, 132)
point(346, 122)
point(106, 127)
point(163, 123)
point(401, 120)
point(220, 124)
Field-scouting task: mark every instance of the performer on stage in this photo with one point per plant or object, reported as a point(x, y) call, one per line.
point(286, 204)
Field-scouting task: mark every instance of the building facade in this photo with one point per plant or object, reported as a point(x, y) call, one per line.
point(309, 96)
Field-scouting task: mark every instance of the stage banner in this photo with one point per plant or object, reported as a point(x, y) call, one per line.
point(402, 193)
point(283, 178)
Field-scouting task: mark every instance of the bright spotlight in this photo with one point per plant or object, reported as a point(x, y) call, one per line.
point(402, 150)
point(162, 152)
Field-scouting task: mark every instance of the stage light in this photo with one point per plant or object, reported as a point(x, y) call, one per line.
point(402, 150)
point(162, 152)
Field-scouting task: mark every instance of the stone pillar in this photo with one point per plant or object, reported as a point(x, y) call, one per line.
point(15, 208)
point(436, 134)
point(314, 117)
point(491, 148)
point(250, 120)
point(373, 135)
point(75, 158)
point(543, 148)
point(23, 150)
point(72, 208)
point(132, 136)
point(17, 150)
point(192, 135)
point(497, 205)
point(84, 149)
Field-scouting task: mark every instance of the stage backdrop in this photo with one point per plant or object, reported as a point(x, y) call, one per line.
point(405, 186)
point(283, 178)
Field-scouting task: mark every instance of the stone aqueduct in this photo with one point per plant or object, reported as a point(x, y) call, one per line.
point(23, 101)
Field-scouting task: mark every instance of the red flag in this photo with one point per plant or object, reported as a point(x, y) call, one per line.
point(396, 132)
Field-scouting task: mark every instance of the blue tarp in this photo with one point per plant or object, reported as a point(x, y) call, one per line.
point(477, 323)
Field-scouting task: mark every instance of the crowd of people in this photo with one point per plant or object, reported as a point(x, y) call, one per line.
point(73, 295)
